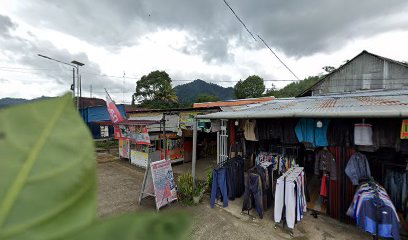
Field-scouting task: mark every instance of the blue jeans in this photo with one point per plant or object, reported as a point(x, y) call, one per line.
point(253, 194)
point(219, 183)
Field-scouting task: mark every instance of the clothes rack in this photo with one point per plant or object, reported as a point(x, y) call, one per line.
point(291, 175)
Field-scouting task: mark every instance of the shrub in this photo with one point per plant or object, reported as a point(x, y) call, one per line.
point(185, 187)
point(209, 179)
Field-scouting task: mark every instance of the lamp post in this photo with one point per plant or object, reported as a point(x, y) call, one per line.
point(75, 65)
point(79, 81)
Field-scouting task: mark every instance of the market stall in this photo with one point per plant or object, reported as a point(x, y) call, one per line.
point(135, 143)
point(344, 144)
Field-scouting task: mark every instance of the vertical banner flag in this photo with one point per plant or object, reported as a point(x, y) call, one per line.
point(113, 111)
point(114, 115)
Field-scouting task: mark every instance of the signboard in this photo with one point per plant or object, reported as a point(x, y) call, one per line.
point(104, 131)
point(124, 148)
point(404, 129)
point(139, 158)
point(163, 183)
point(137, 134)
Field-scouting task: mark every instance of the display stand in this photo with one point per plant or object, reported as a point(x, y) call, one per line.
point(284, 211)
point(156, 180)
point(147, 185)
point(297, 171)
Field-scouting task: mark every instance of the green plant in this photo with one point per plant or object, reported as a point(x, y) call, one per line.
point(185, 186)
point(198, 190)
point(209, 179)
point(106, 144)
point(48, 180)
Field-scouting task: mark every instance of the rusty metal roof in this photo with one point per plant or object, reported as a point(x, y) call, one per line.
point(360, 104)
point(232, 103)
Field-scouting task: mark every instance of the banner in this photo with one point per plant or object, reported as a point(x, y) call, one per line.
point(116, 132)
point(139, 158)
point(124, 148)
point(134, 133)
point(404, 129)
point(113, 111)
point(163, 183)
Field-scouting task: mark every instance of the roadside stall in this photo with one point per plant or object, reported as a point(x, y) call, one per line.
point(135, 143)
point(323, 151)
point(165, 137)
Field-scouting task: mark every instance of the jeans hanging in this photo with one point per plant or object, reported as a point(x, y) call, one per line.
point(253, 194)
point(219, 185)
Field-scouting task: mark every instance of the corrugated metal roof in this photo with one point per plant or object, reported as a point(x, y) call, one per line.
point(172, 122)
point(364, 104)
point(231, 103)
point(347, 63)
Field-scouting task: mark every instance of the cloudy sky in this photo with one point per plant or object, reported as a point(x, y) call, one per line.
point(189, 39)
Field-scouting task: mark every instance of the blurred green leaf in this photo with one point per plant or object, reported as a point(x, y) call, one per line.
point(48, 180)
point(47, 171)
point(143, 226)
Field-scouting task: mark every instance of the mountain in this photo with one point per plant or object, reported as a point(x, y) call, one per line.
point(187, 93)
point(5, 102)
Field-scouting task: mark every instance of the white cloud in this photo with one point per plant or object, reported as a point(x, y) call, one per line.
point(181, 51)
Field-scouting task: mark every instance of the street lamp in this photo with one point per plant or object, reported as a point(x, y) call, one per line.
point(79, 82)
point(75, 64)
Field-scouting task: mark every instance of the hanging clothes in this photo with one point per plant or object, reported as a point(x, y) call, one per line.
point(372, 207)
point(363, 134)
point(228, 181)
point(270, 129)
point(231, 129)
point(396, 184)
point(290, 195)
point(253, 194)
point(289, 135)
point(249, 127)
point(324, 161)
point(265, 171)
point(340, 133)
point(323, 186)
point(307, 132)
point(358, 168)
point(219, 187)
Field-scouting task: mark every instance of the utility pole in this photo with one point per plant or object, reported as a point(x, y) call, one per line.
point(74, 64)
point(79, 88)
point(123, 88)
point(90, 91)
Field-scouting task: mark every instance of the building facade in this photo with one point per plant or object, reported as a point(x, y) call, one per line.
point(364, 72)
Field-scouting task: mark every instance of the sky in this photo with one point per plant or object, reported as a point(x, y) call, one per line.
point(120, 41)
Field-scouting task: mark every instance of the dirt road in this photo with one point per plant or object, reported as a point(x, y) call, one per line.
point(119, 185)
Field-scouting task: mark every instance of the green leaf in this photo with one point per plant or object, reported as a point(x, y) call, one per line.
point(48, 181)
point(149, 226)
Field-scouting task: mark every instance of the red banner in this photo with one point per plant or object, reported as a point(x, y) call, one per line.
point(113, 111)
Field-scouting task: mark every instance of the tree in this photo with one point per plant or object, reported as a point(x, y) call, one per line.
point(252, 87)
point(204, 97)
point(294, 89)
point(328, 69)
point(155, 91)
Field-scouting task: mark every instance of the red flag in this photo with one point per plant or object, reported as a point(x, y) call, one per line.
point(114, 113)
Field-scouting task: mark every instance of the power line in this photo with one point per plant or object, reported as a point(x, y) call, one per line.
point(239, 19)
point(33, 69)
point(278, 58)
